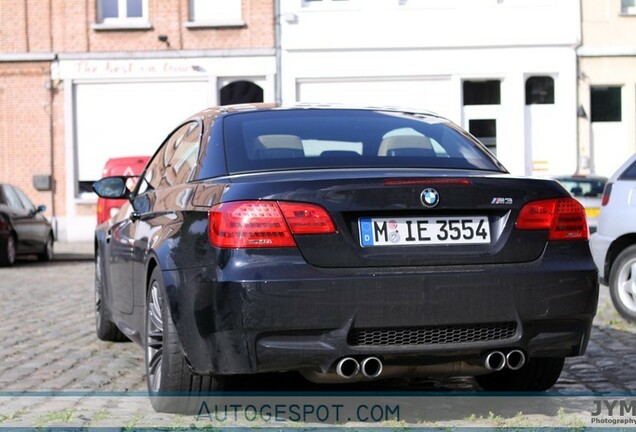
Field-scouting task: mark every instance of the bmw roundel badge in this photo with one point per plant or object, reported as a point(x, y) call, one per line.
point(429, 197)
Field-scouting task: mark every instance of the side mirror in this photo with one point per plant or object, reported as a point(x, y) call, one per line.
point(112, 187)
point(40, 209)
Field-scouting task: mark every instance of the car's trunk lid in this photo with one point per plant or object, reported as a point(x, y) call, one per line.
point(383, 218)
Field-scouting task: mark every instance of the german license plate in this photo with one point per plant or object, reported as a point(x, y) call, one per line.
point(423, 231)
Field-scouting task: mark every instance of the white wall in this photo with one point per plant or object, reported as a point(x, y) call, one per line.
point(417, 53)
point(377, 24)
point(432, 80)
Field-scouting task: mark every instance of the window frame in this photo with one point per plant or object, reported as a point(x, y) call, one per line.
point(551, 98)
point(122, 21)
point(484, 96)
point(228, 21)
point(605, 115)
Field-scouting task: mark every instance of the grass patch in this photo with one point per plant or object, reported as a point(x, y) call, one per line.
point(63, 416)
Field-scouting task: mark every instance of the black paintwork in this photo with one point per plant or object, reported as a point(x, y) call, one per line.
point(256, 310)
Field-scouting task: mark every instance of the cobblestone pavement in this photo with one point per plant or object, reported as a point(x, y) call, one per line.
point(49, 345)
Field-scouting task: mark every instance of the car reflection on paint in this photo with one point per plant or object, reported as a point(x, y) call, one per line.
point(127, 166)
point(344, 244)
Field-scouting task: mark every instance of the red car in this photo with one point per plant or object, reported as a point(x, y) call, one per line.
point(128, 166)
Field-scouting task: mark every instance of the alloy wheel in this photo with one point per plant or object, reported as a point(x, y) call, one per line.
point(626, 285)
point(154, 337)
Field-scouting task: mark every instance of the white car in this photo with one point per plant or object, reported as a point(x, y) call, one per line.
point(614, 243)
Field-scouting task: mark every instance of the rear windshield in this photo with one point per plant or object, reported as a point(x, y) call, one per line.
point(305, 139)
point(582, 187)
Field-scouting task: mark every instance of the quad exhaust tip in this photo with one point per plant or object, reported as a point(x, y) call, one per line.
point(371, 367)
point(515, 360)
point(347, 367)
point(497, 360)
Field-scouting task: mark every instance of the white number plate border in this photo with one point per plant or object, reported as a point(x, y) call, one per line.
point(423, 231)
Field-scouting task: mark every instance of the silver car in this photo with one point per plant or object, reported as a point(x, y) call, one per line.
point(614, 243)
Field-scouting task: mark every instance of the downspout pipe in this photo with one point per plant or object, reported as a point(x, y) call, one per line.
point(277, 48)
point(52, 90)
point(578, 88)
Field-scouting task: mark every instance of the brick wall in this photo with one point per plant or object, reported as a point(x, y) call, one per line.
point(65, 26)
point(29, 27)
point(25, 115)
point(169, 17)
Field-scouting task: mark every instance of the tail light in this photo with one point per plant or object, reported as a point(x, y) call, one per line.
point(258, 224)
point(563, 217)
point(307, 218)
point(606, 194)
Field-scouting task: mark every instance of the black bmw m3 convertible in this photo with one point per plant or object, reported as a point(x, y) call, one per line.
point(347, 244)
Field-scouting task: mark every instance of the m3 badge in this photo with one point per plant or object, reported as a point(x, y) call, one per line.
point(501, 201)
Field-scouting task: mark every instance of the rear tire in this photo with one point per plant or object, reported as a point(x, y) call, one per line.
point(173, 387)
point(622, 284)
point(106, 330)
point(538, 374)
point(8, 251)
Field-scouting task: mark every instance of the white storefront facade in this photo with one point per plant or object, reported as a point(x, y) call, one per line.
point(117, 106)
point(503, 69)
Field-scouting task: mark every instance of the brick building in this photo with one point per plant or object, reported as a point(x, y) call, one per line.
point(83, 81)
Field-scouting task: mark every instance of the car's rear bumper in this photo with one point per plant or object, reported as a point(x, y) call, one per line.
point(271, 311)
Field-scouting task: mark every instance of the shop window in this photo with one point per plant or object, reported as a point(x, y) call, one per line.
point(241, 92)
point(122, 11)
point(486, 92)
point(539, 90)
point(216, 13)
point(606, 104)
